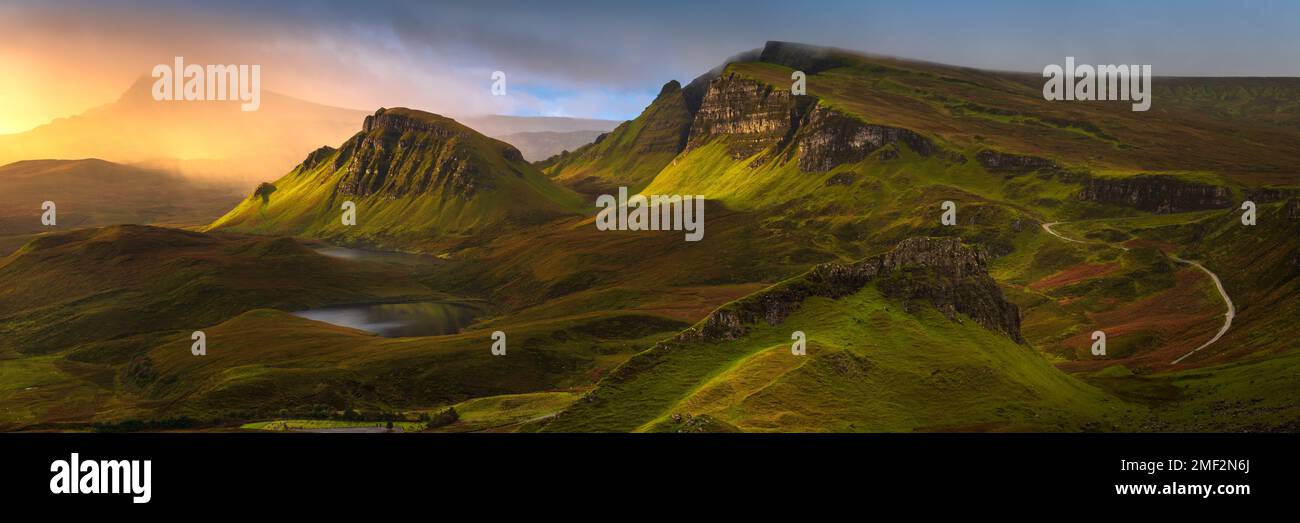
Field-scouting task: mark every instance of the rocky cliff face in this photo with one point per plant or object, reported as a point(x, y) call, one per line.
point(828, 138)
point(754, 116)
point(1292, 209)
point(943, 272)
point(1156, 193)
point(995, 161)
point(403, 152)
point(1272, 194)
point(316, 157)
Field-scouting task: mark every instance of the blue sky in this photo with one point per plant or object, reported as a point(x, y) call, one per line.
point(608, 59)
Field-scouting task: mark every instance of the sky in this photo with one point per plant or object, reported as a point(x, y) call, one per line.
point(587, 59)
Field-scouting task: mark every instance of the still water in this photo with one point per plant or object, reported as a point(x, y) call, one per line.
point(396, 320)
point(400, 258)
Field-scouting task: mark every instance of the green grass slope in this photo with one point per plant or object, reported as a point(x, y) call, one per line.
point(870, 366)
point(417, 179)
point(95, 193)
point(91, 289)
point(633, 153)
point(918, 338)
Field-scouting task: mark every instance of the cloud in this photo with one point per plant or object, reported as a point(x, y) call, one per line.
point(587, 58)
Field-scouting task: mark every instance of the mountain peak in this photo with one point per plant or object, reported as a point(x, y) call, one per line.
point(403, 119)
point(668, 89)
point(417, 175)
point(804, 57)
point(140, 89)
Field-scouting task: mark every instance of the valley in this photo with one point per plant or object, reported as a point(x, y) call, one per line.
point(823, 217)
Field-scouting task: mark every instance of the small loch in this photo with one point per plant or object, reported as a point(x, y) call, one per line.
point(398, 320)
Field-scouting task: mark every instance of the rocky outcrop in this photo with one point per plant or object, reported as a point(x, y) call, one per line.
point(1272, 194)
point(1292, 209)
point(403, 152)
point(943, 272)
point(407, 121)
point(316, 157)
point(1156, 193)
point(753, 117)
point(841, 179)
point(995, 161)
point(828, 138)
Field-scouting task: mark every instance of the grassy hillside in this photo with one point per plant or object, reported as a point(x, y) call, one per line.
point(95, 193)
point(418, 180)
point(1186, 128)
point(633, 153)
point(803, 194)
point(871, 366)
point(87, 290)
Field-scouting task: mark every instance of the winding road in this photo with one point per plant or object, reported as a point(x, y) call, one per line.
point(1227, 316)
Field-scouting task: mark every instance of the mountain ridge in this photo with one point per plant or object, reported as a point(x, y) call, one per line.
point(415, 177)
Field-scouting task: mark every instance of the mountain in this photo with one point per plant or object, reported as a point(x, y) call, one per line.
point(540, 137)
point(823, 216)
point(540, 145)
point(633, 152)
point(214, 140)
point(96, 326)
point(94, 193)
point(868, 156)
point(878, 143)
point(888, 338)
point(415, 177)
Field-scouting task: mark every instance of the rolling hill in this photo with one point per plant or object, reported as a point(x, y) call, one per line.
point(211, 140)
point(889, 338)
point(94, 193)
point(61, 291)
point(823, 216)
point(415, 178)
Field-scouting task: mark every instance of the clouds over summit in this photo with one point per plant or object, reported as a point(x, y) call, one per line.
point(582, 58)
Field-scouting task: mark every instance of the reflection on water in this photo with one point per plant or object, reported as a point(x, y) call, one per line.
point(395, 320)
point(348, 253)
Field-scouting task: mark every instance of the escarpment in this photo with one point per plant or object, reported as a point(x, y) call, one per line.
point(829, 138)
point(402, 152)
point(753, 117)
point(1156, 193)
point(316, 157)
point(995, 161)
point(417, 178)
point(944, 272)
